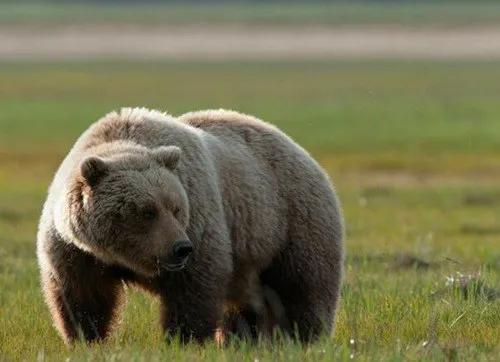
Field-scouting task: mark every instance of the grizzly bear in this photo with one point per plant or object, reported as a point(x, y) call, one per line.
point(205, 211)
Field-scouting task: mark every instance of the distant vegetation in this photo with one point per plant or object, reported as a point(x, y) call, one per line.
point(439, 13)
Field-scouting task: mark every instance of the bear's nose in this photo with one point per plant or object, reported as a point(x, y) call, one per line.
point(182, 249)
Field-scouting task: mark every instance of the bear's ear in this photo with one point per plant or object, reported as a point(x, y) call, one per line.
point(93, 169)
point(167, 156)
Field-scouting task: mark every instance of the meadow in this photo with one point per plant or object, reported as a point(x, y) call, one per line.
point(412, 147)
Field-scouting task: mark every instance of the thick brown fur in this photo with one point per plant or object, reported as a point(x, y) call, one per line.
point(262, 216)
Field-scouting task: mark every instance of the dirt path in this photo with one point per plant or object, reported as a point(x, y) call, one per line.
point(245, 43)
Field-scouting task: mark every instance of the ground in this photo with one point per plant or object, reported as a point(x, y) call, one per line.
point(231, 42)
point(41, 30)
point(413, 148)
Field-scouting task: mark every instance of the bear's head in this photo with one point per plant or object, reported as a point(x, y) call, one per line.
point(132, 210)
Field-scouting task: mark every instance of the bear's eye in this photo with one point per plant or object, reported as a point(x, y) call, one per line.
point(177, 212)
point(149, 213)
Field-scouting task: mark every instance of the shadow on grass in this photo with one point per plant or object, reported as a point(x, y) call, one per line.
point(470, 229)
point(468, 287)
point(400, 261)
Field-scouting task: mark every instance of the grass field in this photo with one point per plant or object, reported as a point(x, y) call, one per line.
point(413, 147)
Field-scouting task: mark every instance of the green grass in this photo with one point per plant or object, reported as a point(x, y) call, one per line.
point(441, 13)
point(414, 149)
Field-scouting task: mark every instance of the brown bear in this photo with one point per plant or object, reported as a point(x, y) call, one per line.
point(205, 211)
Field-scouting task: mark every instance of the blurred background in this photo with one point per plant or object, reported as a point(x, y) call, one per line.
point(398, 100)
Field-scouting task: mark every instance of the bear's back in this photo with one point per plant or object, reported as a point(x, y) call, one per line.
point(234, 129)
point(240, 132)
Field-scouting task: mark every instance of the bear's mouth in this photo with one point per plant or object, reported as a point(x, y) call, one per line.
point(176, 267)
point(171, 267)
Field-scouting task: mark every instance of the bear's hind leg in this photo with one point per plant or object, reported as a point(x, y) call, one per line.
point(308, 300)
point(307, 274)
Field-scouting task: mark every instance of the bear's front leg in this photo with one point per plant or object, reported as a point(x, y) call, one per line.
point(81, 292)
point(193, 310)
point(193, 300)
point(84, 313)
